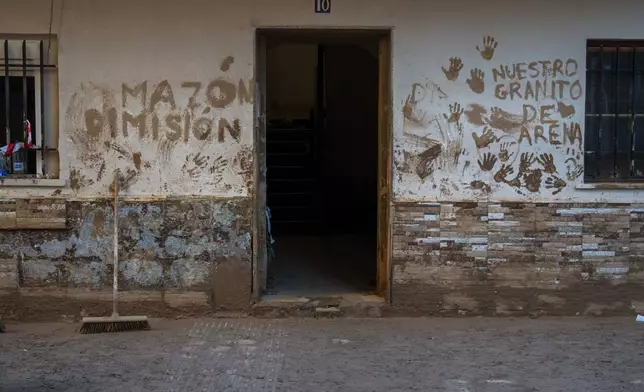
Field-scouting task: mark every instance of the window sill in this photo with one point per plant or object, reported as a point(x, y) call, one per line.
point(611, 185)
point(37, 182)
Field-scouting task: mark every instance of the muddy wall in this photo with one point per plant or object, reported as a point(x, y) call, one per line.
point(488, 125)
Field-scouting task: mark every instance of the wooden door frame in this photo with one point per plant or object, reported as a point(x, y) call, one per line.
point(385, 163)
point(385, 156)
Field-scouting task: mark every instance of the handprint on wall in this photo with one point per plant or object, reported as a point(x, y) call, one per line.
point(455, 112)
point(505, 155)
point(195, 164)
point(555, 183)
point(489, 46)
point(488, 162)
point(486, 138)
point(411, 112)
point(532, 179)
point(503, 173)
point(455, 67)
point(527, 159)
point(476, 81)
point(548, 163)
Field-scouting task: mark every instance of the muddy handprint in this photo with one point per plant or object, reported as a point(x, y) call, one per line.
point(574, 169)
point(455, 112)
point(504, 154)
point(489, 46)
point(503, 173)
point(556, 183)
point(476, 81)
point(548, 163)
point(575, 173)
point(455, 67)
point(486, 138)
point(532, 179)
point(573, 153)
point(411, 112)
point(217, 169)
point(488, 162)
point(527, 159)
point(195, 164)
point(481, 186)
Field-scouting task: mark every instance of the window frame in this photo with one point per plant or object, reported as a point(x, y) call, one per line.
point(36, 67)
point(595, 119)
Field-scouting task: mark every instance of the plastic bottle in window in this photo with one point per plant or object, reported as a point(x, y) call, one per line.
point(3, 166)
point(19, 162)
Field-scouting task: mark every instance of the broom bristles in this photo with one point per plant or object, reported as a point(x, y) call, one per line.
point(114, 324)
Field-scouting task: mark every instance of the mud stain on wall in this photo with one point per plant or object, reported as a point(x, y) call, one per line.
point(426, 161)
point(136, 158)
point(98, 225)
point(78, 181)
point(476, 114)
point(243, 161)
point(481, 186)
point(226, 63)
point(532, 179)
point(505, 121)
point(565, 111)
point(410, 110)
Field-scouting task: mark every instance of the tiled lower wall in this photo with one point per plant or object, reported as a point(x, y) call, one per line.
point(518, 258)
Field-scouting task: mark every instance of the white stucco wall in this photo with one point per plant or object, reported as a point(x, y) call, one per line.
point(105, 44)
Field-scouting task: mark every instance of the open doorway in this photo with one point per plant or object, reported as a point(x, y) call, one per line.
point(323, 122)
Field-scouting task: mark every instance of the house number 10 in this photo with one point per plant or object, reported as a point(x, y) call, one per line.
point(323, 6)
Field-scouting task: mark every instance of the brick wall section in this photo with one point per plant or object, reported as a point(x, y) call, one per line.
point(518, 258)
point(189, 245)
point(33, 214)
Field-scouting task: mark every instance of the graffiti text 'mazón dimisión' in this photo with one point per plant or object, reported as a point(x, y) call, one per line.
point(156, 114)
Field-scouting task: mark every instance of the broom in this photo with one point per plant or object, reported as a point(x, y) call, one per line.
point(115, 323)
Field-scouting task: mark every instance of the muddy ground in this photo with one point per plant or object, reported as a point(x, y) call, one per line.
point(574, 354)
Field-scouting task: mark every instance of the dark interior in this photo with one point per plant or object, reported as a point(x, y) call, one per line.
point(322, 160)
point(22, 105)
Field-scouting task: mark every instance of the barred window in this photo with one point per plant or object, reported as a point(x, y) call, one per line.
point(28, 108)
point(614, 132)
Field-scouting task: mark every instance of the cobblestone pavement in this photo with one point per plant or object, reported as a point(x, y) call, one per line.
point(576, 354)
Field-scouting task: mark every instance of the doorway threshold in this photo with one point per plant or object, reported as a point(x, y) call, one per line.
point(321, 306)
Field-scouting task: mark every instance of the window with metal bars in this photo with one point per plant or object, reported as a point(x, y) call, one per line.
point(614, 131)
point(27, 72)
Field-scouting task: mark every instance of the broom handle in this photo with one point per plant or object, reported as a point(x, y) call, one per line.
point(116, 246)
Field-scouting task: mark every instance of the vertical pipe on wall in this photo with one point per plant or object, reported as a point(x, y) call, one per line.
point(7, 97)
point(42, 109)
point(24, 84)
